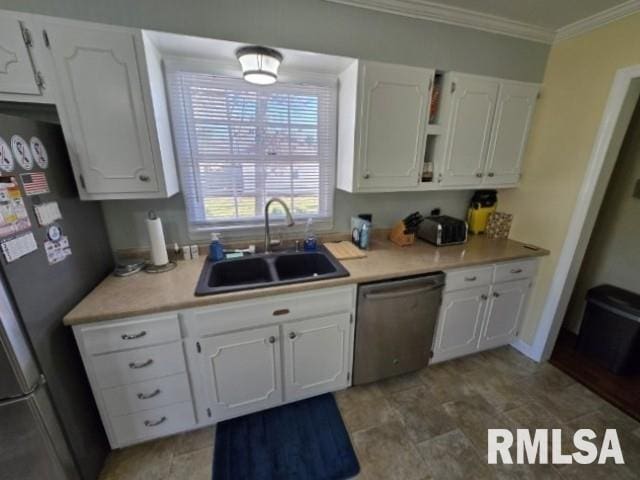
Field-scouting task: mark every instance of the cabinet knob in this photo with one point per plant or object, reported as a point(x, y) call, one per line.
point(292, 335)
point(366, 176)
point(272, 339)
point(496, 294)
point(483, 297)
point(490, 174)
point(144, 178)
point(479, 175)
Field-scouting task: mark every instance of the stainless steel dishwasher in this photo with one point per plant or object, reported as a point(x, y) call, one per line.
point(395, 323)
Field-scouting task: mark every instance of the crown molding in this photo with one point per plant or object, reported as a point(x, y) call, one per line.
point(460, 17)
point(598, 20)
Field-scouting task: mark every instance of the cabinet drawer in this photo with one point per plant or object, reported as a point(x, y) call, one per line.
point(113, 336)
point(153, 423)
point(468, 278)
point(506, 272)
point(133, 366)
point(229, 317)
point(155, 393)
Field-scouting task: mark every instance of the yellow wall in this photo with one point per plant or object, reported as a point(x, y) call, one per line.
point(577, 80)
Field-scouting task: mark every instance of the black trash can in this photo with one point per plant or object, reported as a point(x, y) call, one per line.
point(610, 331)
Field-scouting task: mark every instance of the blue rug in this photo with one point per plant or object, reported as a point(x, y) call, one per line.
point(306, 440)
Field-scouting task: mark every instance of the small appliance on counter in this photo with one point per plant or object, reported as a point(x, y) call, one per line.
point(361, 230)
point(442, 230)
point(483, 204)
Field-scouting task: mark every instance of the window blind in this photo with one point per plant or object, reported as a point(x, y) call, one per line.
point(238, 145)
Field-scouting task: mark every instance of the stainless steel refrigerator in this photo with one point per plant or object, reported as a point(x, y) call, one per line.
point(49, 424)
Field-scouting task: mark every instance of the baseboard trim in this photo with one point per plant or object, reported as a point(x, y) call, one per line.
point(526, 349)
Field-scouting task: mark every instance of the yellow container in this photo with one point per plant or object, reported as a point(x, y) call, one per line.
point(477, 218)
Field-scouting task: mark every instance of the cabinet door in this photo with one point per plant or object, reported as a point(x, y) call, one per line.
point(316, 356)
point(460, 323)
point(472, 105)
point(510, 131)
point(504, 313)
point(393, 119)
point(16, 70)
point(241, 371)
point(103, 112)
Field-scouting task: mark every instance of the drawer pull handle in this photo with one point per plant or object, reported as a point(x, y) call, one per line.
point(134, 336)
point(516, 270)
point(496, 294)
point(144, 178)
point(470, 279)
point(282, 311)
point(149, 423)
point(141, 364)
point(292, 335)
point(145, 396)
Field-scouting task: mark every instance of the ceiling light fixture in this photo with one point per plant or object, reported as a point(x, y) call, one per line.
point(259, 64)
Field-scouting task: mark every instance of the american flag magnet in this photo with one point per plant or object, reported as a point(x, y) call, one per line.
point(34, 183)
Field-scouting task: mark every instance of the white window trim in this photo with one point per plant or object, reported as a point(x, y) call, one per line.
point(201, 231)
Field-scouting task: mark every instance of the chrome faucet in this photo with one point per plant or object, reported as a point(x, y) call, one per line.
point(267, 233)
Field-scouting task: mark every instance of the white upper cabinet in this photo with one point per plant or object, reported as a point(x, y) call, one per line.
point(17, 73)
point(514, 112)
point(23, 59)
point(108, 113)
point(382, 132)
point(470, 109)
point(487, 125)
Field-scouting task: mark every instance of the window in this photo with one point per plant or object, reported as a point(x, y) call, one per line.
point(239, 145)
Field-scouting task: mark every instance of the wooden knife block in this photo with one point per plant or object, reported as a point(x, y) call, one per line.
point(400, 238)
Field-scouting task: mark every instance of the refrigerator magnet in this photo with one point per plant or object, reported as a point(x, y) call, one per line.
point(21, 152)
point(39, 153)
point(34, 183)
point(54, 232)
point(6, 159)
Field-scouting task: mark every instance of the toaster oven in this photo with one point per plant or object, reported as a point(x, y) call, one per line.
point(443, 230)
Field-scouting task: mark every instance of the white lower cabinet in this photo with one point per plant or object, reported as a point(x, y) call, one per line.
point(475, 318)
point(460, 323)
point(241, 371)
point(316, 356)
point(504, 312)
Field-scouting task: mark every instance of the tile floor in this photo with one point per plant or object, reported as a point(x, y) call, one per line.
point(432, 425)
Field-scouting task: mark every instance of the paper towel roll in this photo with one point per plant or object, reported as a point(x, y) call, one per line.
point(156, 237)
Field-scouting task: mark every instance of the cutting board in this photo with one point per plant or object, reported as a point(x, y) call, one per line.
point(345, 250)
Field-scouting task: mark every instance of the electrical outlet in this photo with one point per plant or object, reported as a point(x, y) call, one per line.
point(636, 191)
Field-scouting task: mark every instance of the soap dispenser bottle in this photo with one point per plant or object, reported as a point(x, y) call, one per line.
point(310, 242)
point(216, 250)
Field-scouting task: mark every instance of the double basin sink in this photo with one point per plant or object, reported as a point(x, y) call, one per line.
point(268, 270)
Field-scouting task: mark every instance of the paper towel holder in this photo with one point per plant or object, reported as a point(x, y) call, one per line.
point(150, 266)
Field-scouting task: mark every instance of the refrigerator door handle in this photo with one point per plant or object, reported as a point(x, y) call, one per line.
point(30, 391)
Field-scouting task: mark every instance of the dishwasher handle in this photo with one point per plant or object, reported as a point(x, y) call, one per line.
point(403, 293)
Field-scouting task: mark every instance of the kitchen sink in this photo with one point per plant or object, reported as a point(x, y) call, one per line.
point(242, 272)
point(267, 270)
point(302, 265)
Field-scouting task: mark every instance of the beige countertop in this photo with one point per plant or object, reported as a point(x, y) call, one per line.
point(144, 293)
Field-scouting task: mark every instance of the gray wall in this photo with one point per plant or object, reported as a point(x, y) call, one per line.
point(314, 25)
point(613, 255)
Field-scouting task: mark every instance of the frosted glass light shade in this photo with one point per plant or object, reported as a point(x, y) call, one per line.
point(259, 64)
